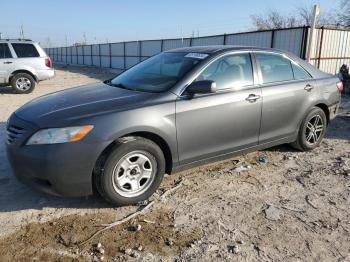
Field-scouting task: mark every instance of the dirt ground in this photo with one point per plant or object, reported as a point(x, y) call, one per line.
point(293, 206)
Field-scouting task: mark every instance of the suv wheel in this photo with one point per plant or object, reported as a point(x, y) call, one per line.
point(23, 83)
point(312, 130)
point(132, 172)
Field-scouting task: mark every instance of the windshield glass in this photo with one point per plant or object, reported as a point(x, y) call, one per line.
point(158, 73)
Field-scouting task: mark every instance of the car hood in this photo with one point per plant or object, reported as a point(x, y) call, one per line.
point(81, 102)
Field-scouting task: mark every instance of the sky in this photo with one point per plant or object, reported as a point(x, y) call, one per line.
point(64, 22)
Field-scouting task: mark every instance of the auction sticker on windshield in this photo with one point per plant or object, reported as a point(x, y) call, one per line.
point(196, 55)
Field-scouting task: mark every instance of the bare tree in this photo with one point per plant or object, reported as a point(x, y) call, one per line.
point(305, 15)
point(273, 20)
point(302, 16)
point(344, 15)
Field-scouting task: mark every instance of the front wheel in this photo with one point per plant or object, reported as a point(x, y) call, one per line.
point(132, 172)
point(312, 130)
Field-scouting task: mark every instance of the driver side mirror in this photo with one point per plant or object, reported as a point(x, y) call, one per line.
point(202, 87)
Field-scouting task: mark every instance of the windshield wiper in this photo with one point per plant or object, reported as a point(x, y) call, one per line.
point(120, 85)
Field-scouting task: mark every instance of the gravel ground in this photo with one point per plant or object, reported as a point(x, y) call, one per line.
point(292, 207)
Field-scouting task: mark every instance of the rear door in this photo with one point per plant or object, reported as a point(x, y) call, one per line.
point(5, 62)
point(209, 125)
point(287, 91)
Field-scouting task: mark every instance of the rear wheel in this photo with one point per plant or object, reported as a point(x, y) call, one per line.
point(23, 83)
point(132, 172)
point(312, 130)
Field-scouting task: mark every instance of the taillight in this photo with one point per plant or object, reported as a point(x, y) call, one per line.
point(340, 86)
point(48, 62)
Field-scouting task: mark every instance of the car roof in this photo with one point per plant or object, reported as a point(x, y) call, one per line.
point(16, 41)
point(213, 49)
point(219, 49)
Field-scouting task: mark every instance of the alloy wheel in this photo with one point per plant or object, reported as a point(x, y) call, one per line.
point(314, 129)
point(23, 84)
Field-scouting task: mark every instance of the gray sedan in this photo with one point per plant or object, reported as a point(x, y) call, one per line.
point(176, 110)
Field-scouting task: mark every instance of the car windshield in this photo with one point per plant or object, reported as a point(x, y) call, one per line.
point(158, 73)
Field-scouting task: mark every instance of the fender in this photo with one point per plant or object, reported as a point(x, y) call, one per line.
point(24, 69)
point(169, 140)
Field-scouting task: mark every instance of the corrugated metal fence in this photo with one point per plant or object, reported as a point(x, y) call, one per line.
point(331, 48)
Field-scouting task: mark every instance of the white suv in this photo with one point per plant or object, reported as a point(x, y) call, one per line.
point(23, 63)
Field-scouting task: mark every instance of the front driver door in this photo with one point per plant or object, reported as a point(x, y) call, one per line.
point(209, 125)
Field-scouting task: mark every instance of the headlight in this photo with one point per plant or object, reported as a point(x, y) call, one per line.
point(59, 135)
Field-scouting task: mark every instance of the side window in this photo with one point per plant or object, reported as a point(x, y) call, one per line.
point(5, 51)
point(274, 68)
point(25, 50)
point(230, 71)
point(299, 73)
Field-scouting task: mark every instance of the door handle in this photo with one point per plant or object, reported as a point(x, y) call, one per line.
point(252, 98)
point(7, 62)
point(309, 87)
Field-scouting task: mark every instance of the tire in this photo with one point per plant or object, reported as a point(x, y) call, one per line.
point(309, 138)
point(23, 83)
point(129, 162)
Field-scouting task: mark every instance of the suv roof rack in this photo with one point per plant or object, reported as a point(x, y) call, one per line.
point(16, 39)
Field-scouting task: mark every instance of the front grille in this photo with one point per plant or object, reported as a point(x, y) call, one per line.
point(14, 133)
point(19, 130)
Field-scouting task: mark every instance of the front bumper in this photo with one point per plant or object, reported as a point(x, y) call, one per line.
point(58, 169)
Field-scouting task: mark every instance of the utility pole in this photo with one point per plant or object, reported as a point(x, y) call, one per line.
point(48, 42)
point(84, 36)
point(22, 32)
point(315, 14)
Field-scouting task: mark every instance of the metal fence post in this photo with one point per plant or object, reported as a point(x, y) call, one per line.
point(162, 45)
point(110, 55)
point(124, 47)
point(91, 57)
point(272, 38)
point(320, 49)
point(225, 39)
point(82, 49)
point(303, 44)
point(140, 50)
point(99, 54)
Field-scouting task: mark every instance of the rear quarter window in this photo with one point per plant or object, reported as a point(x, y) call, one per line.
point(300, 73)
point(5, 51)
point(25, 50)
